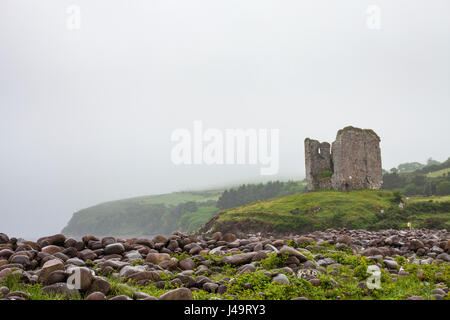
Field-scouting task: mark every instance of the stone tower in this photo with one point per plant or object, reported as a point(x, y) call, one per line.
point(353, 163)
point(318, 164)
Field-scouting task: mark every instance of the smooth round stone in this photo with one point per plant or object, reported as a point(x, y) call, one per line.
point(121, 297)
point(114, 248)
point(96, 296)
point(4, 291)
point(280, 279)
point(21, 259)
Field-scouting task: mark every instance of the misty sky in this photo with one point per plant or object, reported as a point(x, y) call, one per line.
point(86, 115)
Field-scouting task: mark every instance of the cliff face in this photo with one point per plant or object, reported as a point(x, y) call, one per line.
point(353, 163)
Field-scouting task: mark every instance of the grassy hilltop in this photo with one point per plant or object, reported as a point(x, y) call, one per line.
point(362, 209)
point(163, 214)
point(145, 215)
point(277, 206)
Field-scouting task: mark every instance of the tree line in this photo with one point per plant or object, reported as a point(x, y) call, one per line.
point(418, 182)
point(248, 193)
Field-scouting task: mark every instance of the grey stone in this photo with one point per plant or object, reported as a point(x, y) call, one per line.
point(96, 296)
point(444, 256)
point(248, 268)
point(140, 296)
point(210, 287)
point(114, 248)
point(128, 270)
point(60, 288)
point(49, 267)
point(4, 291)
point(238, 259)
point(21, 259)
point(100, 285)
point(293, 252)
point(121, 297)
point(76, 262)
point(391, 264)
point(56, 276)
point(280, 279)
point(187, 264)
point(177, 294)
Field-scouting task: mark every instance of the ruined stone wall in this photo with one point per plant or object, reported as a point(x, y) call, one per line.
point(317, 161)
point(357, 160)
point(354, 160)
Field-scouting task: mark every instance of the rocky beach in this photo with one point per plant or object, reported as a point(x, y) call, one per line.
point(330, 264)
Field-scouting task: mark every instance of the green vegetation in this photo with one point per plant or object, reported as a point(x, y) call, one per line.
point(163, 214)
point(15, 283)
point(279, 206)
point(429, 199)
point(439, 173)
point(249, 193)
point(326, 174)
point(345, 282)
point(145, 215)
point(427, 180)
point(364, 209)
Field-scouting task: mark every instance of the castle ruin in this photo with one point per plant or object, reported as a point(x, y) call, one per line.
point(352, 163)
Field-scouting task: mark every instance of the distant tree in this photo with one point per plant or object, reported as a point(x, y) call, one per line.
point(410, 166)
point(248, 193)
point(431, 162)
point(393, 181)
point(443, 188)
point(419, 180)
point(413, 190)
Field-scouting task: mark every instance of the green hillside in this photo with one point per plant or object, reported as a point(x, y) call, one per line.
point(163, 214)
point(415, 179)
point(364, 209)
point(173, 198)
point(439, 173)
point(145, 215)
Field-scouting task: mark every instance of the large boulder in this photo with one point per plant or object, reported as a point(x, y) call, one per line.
point(3, 238)
point(238, 259)
point(292, 252)
point(108, 240)
point(371, 252)
point(60, 288)
point(57, 240)
point(229, 237)
point(177, 294)
point(87, 254)
point(280, 279)
point(96, 296)
point(80, 278)
point(187, 264)
point(157, 258)
point(145, 275)
point(6, 253)
point(114, 248)
point(22, 259)
point(444, 256)
point(415, 244)
point(100, 285)
point(56, 276)
point(48, 268)
point(128, 270)
point(51, 249)
point(159, 239)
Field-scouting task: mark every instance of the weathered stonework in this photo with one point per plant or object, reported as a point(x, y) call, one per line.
point(353, 163)
point(317, 160)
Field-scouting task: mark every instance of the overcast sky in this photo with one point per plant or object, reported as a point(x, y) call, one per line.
point(86, 115)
